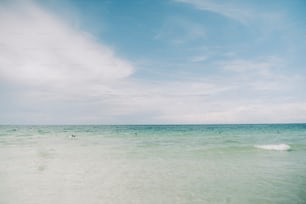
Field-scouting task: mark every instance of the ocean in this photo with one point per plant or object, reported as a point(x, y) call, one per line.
point(151, 164)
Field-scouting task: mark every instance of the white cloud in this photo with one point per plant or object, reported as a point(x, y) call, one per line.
point(53, 72)
point(38, 49)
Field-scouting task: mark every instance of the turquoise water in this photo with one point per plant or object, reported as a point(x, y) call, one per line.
point(153, 164)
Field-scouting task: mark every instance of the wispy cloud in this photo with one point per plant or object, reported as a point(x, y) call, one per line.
point(267, 74)
point(199, 58)
point(226, 9)
point(178, 31)
point(240, 12)
point(267, 69)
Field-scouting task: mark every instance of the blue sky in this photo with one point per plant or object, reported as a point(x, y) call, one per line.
point(152, 62)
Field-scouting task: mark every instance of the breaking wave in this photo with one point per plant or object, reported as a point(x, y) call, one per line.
point(279, 147)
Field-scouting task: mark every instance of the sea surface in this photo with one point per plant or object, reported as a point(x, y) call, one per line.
point(152, 164)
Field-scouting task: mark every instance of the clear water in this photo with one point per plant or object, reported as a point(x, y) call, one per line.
point(153, 164)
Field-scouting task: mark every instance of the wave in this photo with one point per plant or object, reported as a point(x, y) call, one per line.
point(279, 147)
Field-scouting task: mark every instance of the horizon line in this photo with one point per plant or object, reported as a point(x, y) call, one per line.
point(157, 124)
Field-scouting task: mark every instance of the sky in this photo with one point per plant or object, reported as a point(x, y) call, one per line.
point(152, 62)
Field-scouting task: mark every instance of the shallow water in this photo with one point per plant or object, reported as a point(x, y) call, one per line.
point(153, 164)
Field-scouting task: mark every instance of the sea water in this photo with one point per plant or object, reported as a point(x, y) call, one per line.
point(207, 164)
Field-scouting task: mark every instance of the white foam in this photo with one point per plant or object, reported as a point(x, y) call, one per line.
point(279, 147)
